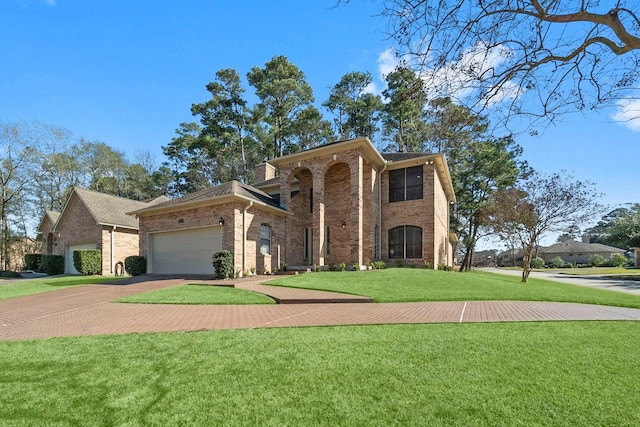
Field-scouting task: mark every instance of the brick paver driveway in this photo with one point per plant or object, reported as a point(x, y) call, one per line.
point(88, 310)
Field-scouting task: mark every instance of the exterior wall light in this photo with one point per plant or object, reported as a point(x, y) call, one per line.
point(344, 225)
point(221, 222)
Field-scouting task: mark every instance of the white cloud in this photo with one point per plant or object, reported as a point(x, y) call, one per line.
point(50, 2)
point(463, 78)
point(387, 62)
point(628, 113)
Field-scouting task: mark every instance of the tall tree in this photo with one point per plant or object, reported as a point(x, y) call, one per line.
point(540, 57)
point(17, 148)
point(57, 167)
point(311, 130)
point(284, 93)
point(357, 111)
point(452, 126)
point(539, 205)
point(403, 122)
point(620, 228)
point(227, 128)
point(479, 171)
point(192, 166)
point(480, 165)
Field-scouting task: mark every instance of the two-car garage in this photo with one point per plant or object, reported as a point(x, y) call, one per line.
point(183, 251)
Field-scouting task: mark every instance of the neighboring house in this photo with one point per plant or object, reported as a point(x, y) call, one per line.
point(636, 252)
point(92, 220)
point(342, 202)
point(572, 251)
point(486, 258)
point(510, 258)
point(19, 246)
point(45, 231)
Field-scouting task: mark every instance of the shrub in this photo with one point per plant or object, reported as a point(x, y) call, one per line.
point(223, 264)
point(52, 264)
point(399, 263)
point(428, 265)
point(135, 265)
point(557, 262)
point(332, 267)
point(32, 261)
point(443, 267)
point(9, 274)
point(88, 261)
point(343, 266)
point(356, 267)
point(596, 260)
point(618, 260)
point(537, 262)
point(380, 265)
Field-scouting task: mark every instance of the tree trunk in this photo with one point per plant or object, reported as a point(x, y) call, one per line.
point(526, 264)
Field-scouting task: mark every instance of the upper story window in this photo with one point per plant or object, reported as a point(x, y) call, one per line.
point(405, 184)
point(265, 239)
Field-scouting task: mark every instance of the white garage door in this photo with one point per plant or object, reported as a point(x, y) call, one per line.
point(185, 251)
point(68, 258)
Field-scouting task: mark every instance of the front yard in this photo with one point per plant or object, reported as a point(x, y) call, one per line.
point(499, 374)
point(528, 374)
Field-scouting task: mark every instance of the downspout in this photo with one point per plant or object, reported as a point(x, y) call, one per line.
point(113, 245)
point(244, 236)
point(380, 212)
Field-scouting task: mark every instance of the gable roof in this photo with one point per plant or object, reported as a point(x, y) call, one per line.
point(367, 149)
point(219, 194)
point(107, 209)
point(51, 216)
point(572, 246)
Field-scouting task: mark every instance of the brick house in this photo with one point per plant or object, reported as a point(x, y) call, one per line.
point(342, 202)
point(93, 220)
point(572, 251)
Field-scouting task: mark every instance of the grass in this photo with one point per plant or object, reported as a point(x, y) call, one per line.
point(499, 374)
point(24, 287)
point(199, 294)
point(412, 285)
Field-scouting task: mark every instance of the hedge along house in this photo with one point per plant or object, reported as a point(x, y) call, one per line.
point(342, 202)
point(93, 220)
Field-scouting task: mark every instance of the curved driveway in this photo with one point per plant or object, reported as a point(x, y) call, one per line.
point(88, 310)
point(610, 283)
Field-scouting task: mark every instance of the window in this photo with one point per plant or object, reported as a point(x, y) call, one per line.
point(405, 241)
point(327, 238)
point(265, 239)
point(311, 199)
point(405, 184)
point(308, 244)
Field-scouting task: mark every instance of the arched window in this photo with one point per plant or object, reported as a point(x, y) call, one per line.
point(265, 239)
point(405, 241)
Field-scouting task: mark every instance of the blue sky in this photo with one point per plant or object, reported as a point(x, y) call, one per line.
point(126, 72)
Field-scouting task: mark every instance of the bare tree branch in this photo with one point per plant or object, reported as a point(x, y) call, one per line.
point(539, 58)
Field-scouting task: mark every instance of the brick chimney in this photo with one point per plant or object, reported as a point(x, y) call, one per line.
point(264, 172)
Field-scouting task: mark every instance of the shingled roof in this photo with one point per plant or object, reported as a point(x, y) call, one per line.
point(572, 246)
point(396, 157)
point(108, 209)
point(52, 216)
point(231, 188)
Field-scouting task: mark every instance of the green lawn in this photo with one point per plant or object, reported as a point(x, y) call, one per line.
point(199, 294)
point(412, 284)
point(498, 374)
point(24, 287)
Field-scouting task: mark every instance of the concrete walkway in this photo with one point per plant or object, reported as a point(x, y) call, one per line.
point(88, 310)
